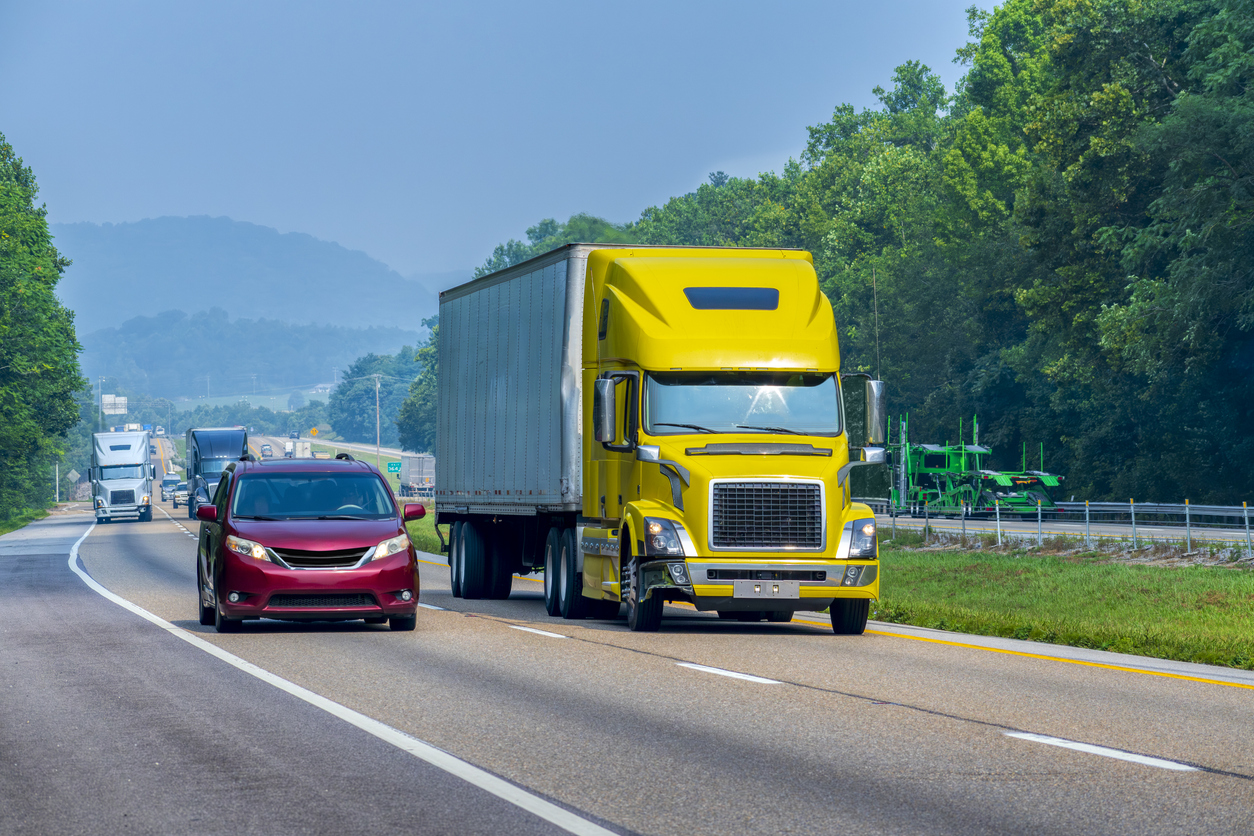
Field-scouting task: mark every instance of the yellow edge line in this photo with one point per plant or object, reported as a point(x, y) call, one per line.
point(1059, 659)
point(981, 647)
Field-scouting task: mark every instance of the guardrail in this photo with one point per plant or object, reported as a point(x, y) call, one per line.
point(1203, 519)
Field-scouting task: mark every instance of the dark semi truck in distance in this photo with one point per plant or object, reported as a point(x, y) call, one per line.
point(209, 450)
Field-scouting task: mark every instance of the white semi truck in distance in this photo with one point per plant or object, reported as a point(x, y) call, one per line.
point(121, 476)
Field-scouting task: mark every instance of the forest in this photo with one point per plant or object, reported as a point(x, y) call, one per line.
point(1063, 244)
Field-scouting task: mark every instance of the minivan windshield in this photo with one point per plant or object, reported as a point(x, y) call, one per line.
point(290, 496)
point(122, 471)
point(796, 403)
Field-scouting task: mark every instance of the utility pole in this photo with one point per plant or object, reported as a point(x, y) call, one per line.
point(100, 405)
point(376, 422)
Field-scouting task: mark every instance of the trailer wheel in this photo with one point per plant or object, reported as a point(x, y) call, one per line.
point(474, 563)
point(849, 616)
point(642, 616)
point(455, 559)
point(779, 616)
point(552, 568)
point(570, 579)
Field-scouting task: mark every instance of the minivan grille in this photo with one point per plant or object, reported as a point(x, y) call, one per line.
point(767, 515)
point(121, 497)
point(320, 600)
point(321, 560)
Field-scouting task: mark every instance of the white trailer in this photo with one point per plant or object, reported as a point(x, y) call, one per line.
point(417, 475)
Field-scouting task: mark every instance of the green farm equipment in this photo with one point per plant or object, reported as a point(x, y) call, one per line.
point(951, 480)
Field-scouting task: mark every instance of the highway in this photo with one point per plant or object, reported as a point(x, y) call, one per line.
point(494, 718)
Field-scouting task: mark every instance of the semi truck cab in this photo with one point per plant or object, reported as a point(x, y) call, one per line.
point(717, 466)
point(121, 476)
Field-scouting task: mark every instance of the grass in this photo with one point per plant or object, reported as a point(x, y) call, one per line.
point(21, 520)
point(422, 532)
point(1194, 614)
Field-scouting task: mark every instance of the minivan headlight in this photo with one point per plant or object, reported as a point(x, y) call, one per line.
point(246, 548)
point(395, 545)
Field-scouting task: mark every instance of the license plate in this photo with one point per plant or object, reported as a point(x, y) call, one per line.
point(766, 589)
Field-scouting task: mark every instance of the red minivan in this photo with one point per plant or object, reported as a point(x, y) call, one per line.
point(306, 540)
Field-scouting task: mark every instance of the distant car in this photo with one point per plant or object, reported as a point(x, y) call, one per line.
point(266, 452)
point(160, 431)
point(152, 449)
point(293, 435)
point(306, 541)
point(169, 483)
point(180, 494)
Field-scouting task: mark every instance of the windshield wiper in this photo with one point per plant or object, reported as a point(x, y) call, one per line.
point(771, 429)
point(685, 426)
point(343, 517)
point(256, 517)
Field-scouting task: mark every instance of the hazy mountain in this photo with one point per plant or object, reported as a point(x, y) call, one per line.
point(121, 271)
point(174, 355)
point(435, 282)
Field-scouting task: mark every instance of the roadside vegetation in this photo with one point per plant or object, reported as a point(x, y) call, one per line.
point(39, 373)
point(1168, 606)
point(422, 532)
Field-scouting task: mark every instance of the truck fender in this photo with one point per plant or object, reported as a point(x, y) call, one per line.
point(633, 530)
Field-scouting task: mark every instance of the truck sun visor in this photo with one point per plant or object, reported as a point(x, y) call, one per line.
point(733, 298)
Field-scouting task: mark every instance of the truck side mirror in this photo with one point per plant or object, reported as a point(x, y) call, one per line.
point(604, 411)
point(875, 412)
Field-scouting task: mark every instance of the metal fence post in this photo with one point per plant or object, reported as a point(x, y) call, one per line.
point(964, 523)
point(1040, 542)
point(997, 506)
point(1132, 507)
point(892, 512)
point(1188, 528)
point(927, 506)
point(1088, 540)
point(1249, 547)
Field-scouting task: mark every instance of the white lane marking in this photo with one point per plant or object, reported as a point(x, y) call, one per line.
point(422, 750)
point(537, 632)
point(1103, 751)
point(430, 606)
point(748, 677)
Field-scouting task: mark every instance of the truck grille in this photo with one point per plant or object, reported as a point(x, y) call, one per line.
point(321, 600)
point(121, 497)
point(321, 560)
point(767, 515)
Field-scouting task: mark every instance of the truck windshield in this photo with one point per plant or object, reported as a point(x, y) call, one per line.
point(121, 471)
point(286, 496)
point(740, 402)
point(212, 468)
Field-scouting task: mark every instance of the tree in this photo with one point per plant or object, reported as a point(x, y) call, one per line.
point(351, 409)
point(416, 421)
point(39, 374)
point(296, 400)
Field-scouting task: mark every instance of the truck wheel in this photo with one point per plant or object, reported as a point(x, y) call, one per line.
point(455, 559)
point(642, 616)
point(849, 616)
point(779, 616)
point(570, 579)
point(474, 563)
point(552, 567)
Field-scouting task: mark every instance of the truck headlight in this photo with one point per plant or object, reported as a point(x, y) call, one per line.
point(143, 501)
point(246, 548)
point(661, 537)
point(395, 545)
point(862, 545)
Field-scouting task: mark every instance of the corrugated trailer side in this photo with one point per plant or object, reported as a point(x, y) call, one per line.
point(508, 413)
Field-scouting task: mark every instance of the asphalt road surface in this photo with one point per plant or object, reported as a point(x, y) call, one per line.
point(112, 722)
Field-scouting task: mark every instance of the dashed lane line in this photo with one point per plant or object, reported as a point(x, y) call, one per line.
point(1105, 752)
point(748, 677)
point(537, 632)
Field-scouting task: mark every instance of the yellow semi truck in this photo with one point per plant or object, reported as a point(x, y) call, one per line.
point(654, 424)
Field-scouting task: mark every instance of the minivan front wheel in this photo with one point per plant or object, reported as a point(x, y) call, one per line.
point(223, 624)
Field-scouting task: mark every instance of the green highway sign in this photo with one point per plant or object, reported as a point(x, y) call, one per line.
point(394, 467)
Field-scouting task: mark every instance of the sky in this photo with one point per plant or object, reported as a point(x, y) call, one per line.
point(425, 133)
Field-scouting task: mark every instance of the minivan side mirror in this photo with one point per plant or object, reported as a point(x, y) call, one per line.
point(604, 411)
point(415, 512)
point(207, 513)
